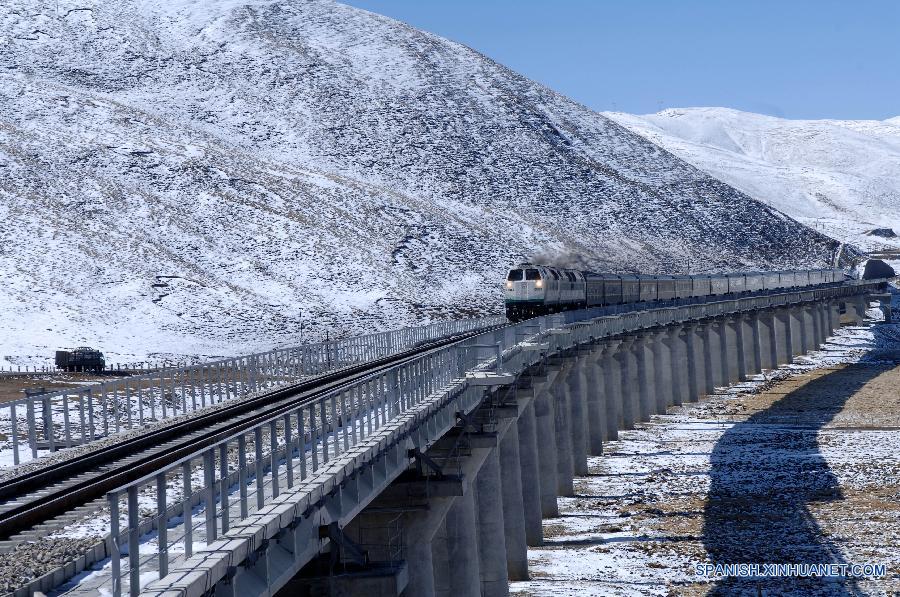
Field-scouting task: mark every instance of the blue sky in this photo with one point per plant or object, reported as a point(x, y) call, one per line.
point(790, 58)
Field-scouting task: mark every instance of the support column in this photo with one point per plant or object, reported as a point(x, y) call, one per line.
point(795, 320)
point(611, 372)
point(513, 506)
point(712, 356)
point(530, 476)
point(546, 431)
point(491, 529)
point(661, 390)
point(750, 338)
point(783, 335)
point(629, 382)
point(562, 427)
point(462, 547)
point(578, 415)
point(677, 363)
point(735, 336)
point(596, 399)
point(440, 568)
point(834, 315)
point(768, 340)
point(822, 315)
point(726, 351)
point(645, 364)
point(695, 377)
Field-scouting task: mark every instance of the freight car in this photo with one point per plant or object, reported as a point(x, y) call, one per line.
point(532, 290)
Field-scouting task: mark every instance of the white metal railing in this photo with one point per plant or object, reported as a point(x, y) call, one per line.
point(164, 515)
point(40, 424)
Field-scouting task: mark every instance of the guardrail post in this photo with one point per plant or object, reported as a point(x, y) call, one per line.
point(114, 555)
point(162, 525)
point(223, 489)
point(273, 456)
point(209, 479)
point(32, 426)
point(260, 467)
point(14, 431)
point(242, 474)
point(134, 554)
point(187, 510)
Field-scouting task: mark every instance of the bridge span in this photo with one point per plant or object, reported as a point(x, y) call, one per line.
point(431, 475)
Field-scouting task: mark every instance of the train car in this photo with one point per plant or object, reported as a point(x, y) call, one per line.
point(648, 289)
point(754, 282)
point(665, 288)
point(771, 280)
point(702, 286)
point(683, 287)
point(631, 289)
point(594, 289)
point(603, 289)
point(737, 284)
point(785, 279)
point(718, 285)
point(612, 290)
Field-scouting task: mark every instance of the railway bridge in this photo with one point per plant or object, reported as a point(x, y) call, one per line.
point(429, 471)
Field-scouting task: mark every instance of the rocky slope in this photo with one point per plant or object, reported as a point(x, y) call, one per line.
point(197, 177)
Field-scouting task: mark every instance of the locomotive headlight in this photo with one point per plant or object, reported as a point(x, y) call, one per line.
point(539, 284)
point(509, 285)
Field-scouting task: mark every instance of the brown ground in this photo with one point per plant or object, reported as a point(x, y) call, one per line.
point(13, 387)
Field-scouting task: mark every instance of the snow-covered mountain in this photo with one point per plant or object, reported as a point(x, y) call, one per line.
point(198, 176)
point(839, 176)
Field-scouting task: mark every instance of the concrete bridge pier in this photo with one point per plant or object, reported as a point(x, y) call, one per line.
point(731, 350)
point(546, 432)
point(595, 401)
point(784, 341)
point(675, 341)
point(491, 530)
point(696, 380)
point(712, 356)
point(834, 315)
point(809, 338)
point(662, 390)
point(824, 329)
point(629, 381)
point(612, 388)
point(795, 321)
point(514, 514)
point(768, 340)
point(752, 344)
point(576, 395)
point(462, 565)
point(530, 471)
point(565, 468)
point(644, 357)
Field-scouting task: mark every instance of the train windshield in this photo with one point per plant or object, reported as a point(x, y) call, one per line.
point(532, 274)
point(514, 275)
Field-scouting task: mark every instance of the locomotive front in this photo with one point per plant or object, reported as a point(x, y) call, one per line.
point(524, 292)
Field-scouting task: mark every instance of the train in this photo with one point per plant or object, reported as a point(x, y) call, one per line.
point(531, 290)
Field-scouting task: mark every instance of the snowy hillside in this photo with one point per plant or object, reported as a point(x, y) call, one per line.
point(840, 176)
point(196, 176)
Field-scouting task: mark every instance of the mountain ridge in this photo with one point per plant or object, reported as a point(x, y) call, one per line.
point(840, 176)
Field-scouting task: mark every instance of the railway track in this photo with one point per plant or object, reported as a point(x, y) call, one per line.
point(44, 494)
